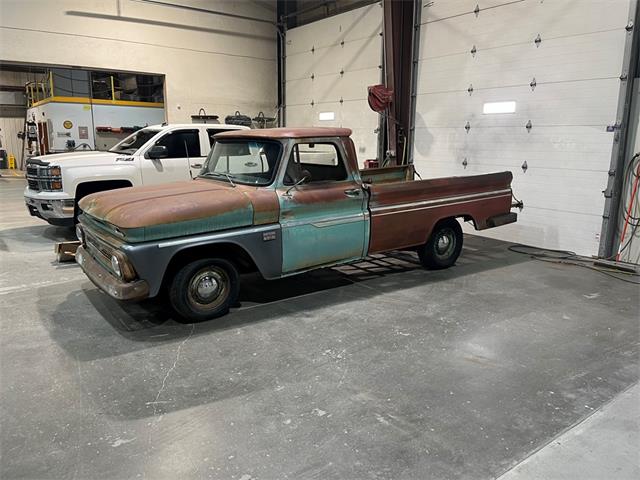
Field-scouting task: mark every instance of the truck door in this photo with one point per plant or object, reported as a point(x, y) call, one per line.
point(323, 219)
point(183, 149)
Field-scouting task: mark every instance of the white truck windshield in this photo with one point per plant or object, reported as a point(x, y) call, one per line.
point(134, 141)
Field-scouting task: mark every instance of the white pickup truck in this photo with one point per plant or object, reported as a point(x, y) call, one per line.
point(156, 154)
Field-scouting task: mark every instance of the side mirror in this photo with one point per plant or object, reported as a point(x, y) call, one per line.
point(157, 151)
point(305, 177)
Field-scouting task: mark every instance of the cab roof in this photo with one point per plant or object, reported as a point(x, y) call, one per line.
point(213, 126)
point(287, 132)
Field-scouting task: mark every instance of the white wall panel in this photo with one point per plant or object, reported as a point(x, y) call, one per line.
point(576, 66)
point(329, 65)
point(218, 63)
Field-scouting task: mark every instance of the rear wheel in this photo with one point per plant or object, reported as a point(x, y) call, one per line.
point(204, 289)
point(443, 247)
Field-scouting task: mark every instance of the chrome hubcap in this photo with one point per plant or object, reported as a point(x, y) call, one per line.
point(208, 286)
point(445, 243)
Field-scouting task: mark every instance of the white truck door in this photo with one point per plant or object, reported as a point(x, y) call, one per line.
point(183, 151)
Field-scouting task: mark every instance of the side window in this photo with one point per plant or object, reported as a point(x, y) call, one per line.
point(182, 143)
point(322, 161)
point(212, 131)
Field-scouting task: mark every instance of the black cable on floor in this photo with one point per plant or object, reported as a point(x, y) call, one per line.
point(568, 257)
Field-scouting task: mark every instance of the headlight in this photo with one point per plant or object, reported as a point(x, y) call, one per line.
point(55, 171)
point(80, 233)
point(115, 265)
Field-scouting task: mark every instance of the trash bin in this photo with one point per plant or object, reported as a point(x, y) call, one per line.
point(3, 160)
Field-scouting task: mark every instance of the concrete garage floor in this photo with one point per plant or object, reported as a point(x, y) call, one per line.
point(394, 372)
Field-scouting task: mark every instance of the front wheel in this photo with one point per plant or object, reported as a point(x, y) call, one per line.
point(204, 289)
point(443, 247)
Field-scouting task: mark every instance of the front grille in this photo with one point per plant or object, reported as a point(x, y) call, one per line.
point(99, 249)
point(40, 178)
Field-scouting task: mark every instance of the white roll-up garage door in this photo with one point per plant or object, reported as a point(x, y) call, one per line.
point(557, 64)
point(329, 64)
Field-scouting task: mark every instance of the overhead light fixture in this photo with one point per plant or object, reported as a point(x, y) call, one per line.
point(326, 116)
point(499, 107)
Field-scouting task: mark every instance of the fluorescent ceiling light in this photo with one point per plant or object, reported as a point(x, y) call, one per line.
point(326, 116)
point(499, 107)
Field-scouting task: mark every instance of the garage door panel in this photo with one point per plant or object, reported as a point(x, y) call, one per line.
point(570, 103)
point(596, 56)
point(439, 11)
point(312, 36)
point(298, 91)
point(301, 115)
point(361, 23)
point(307, 64)
point(360, 54)
point(353, 85)
point(357, 114)
point(520, 23)
point(299, 66)
point(353, 25)
point(568, 148)
point(325, 88)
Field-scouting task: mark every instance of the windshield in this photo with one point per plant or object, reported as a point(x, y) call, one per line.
point(243, 161)
point(134, 141)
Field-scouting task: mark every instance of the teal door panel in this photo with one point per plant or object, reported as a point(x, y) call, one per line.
point(322, 223)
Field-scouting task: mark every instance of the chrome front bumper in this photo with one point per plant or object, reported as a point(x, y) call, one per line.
point(56, 212)
point(105, 281)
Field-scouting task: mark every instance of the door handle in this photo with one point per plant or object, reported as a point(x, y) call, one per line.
point(196, 165)
point(352, 192)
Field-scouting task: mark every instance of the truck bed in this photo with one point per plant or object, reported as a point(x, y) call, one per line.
point(403, 212)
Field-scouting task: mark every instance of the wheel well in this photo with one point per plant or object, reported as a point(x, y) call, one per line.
point(228, 251)
point(87, 188)
point(469, 218)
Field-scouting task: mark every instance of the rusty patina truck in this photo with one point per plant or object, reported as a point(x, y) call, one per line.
point(280, 201)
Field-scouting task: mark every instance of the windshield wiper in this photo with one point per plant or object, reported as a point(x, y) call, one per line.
point(219, 174)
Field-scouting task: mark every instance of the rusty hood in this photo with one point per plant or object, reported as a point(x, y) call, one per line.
point(181, 208)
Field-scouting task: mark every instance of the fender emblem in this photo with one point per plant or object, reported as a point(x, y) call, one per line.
point(267, 236)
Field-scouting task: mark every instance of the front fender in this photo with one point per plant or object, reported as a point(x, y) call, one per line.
point(76, 175)
point(263, 244)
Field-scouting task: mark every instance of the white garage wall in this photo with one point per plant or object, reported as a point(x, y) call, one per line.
point(351, 43)
point(576, 66)
point(219, 63)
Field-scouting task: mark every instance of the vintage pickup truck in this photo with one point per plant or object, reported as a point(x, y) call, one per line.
point(280, 201)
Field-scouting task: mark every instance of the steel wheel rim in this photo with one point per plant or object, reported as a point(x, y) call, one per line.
point(445, 243)
point(208, 288)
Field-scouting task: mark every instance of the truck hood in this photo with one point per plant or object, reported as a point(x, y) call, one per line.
point(71, 159)
point(139, 214)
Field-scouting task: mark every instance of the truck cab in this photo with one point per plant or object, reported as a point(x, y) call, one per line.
point(156, 154)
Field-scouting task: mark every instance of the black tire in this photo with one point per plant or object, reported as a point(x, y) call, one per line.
point(191, 293)
point(443, 247)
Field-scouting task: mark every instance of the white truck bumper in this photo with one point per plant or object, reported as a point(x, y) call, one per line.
point(55, 208)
